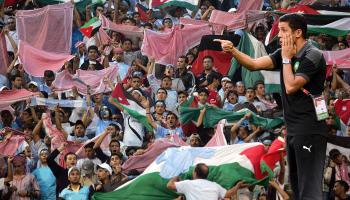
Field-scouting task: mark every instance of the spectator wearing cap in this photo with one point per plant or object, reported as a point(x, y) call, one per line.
point(92, 63)
point(88, 176)
point(160, 112)
point(90, 155)
point(222, 90)
point(195, 140)
point(61, 173)
point(187, 77)
point(340, 190)
point(117, 59)
point(74, 190)
point(81, 52)
point(208, 65)
point(129, 54)
point(104, 173)
point(32, 86)
point(45, 177)
point(24, 185)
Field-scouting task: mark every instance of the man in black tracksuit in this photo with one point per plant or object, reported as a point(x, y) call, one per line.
point(303, 71)
point(61, 173)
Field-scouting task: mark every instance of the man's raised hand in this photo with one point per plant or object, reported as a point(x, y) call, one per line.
point(226, 45)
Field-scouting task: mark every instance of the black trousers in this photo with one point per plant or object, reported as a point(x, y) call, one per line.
point(306, 157)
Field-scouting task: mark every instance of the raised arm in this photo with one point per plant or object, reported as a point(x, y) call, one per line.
point(284, 194)
point(232, 193)
point(11, 66)
point(36, 131)
point(149, 117)
point(252, 135)
point(252, 64)
point(201, 117)
point(235, 127)
point(12, 41)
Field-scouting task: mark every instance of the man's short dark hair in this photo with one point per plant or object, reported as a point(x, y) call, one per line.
point(201, 90)
point(258, 82)
point(250, 88)
point(14, 76)
point(69, 153)
point(127, 39)
point(148, 24)
point(93, 47)
point(89, 145)
point(166, 18)
point(208, 57)
point(201, 170)
point(182, 92)
point(166, 92)
point(333, 153)
point(171, 113)
point(114, 140)
point(232, 92)
point(184, 57)
point(128, 18)
point(49, 74)
point(166, 77)
point(211, 77)
point(344, 184)
point(296, 21)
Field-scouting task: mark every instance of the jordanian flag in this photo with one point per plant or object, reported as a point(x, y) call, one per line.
point(207, 46)
point(340, 27)
point(342, 110)
point(227, 165)
point(91, 27)
point(189, 4)
point(213, 115)
point(255, 49)
point(130, 105)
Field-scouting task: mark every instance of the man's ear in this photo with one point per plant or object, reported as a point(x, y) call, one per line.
point(298, 33)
